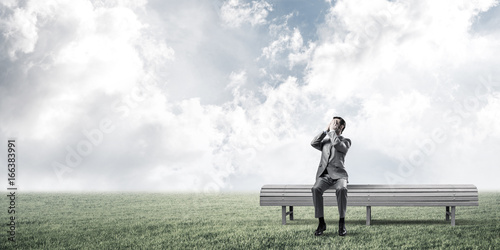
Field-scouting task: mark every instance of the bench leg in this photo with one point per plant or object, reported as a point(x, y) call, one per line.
point(453, 215)
point(368, 215)
point(283, 215)
point(447, 213)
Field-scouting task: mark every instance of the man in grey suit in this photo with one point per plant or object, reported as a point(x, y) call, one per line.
point(331, 171)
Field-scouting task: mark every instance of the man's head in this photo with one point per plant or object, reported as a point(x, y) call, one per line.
point(341, 123)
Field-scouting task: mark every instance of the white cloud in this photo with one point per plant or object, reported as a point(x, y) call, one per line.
point(286, 41)
point(237, 79)
point(80, 59)
point(235, 13)
point(396, 71)
point(287, 48)
point(409, 66)
point(20, 27)
point(392, 122)
point(489, 118)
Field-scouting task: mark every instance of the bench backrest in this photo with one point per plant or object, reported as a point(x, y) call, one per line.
point(375, 195)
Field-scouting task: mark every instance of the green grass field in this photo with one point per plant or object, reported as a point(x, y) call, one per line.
point(234, 221)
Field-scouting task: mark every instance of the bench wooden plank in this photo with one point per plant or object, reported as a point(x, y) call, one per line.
point(371, 186)
point(374, 190)
point(434, 194)
point(368, 201)
point(376, 197)
point(292, 202)
point(353, 202)
point(381, 204)
point(299, 190)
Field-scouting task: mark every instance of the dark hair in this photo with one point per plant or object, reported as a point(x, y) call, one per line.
point(342, 122)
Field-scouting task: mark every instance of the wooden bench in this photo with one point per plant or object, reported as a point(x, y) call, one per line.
point(374, 195)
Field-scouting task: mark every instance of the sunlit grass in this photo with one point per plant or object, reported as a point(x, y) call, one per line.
point(228, 221)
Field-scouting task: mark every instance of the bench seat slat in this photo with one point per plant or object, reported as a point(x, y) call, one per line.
point(355, 187)
point(290, 202)
point(384, 199)
point(443, 194)
point(375, 186)
point(308, 190)
point(400, 204)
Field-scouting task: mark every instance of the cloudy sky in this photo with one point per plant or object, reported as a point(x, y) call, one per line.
point(227, 95)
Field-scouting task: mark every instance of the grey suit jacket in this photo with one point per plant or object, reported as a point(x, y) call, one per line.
point(333, 151)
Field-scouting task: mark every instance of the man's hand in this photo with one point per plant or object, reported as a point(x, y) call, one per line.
point(332, 126)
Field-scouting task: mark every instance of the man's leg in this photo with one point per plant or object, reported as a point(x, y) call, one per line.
point(321, 185)
point(341, 193)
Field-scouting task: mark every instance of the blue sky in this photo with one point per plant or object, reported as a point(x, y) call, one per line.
point(227, 95)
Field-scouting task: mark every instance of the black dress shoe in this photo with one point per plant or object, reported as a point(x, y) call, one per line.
point(320, 230)
point(342, 230)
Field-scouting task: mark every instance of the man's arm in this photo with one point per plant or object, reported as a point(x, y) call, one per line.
point(340, 145)
point(317, 142)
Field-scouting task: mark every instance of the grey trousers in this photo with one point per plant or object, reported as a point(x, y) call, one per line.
point(322, 184)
